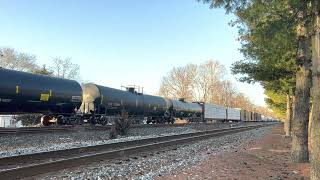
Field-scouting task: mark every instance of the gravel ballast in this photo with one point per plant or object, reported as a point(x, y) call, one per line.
point(163, 163)
point(12, 145)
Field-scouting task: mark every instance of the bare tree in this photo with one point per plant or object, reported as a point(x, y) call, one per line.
point(224, 93)
point(164, 90)
point(64, 68)
point(11, 59)
point(208, 78)
point(179, 82)
point(206, 82)
point(43, 70)
point(241, 101)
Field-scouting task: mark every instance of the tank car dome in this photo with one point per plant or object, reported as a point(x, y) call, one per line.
point(90, 94)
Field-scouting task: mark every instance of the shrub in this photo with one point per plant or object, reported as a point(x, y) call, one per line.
point(122, 126)
point(113, 133)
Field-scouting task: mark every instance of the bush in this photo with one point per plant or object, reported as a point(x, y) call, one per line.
point(113, 133)
point(122, 126)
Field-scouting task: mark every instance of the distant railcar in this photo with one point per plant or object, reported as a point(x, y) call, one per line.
point(249, 116)
point(246, 115)
point(233, 114)
point(257, 116)
point(214, 112)
point(243, 115)
point(182, 109)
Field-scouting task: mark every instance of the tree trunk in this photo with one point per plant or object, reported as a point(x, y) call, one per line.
point(310, 124)
point(287, 123)
point(293, 106)
point(299, 151)
point(315, 128)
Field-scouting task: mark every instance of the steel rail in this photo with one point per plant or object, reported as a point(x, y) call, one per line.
point(25, 130)
point(70, 128)
point(153, 125)
point(19, 166)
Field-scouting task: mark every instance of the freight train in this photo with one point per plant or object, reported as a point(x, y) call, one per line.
point(63, 101)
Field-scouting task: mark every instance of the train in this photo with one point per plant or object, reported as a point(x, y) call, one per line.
point(62, 101)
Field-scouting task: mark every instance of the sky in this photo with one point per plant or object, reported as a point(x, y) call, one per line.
point(124, 42)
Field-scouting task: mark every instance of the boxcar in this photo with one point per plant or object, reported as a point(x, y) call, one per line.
point(214, 112)
point(233, 114)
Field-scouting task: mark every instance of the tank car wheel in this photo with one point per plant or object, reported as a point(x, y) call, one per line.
point(103, 120)
point(93, 120)
point(148, 120)
point(172, 120)
point(45, 120)
point(60, 120)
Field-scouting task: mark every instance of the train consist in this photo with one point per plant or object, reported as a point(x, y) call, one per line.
point(63, 101)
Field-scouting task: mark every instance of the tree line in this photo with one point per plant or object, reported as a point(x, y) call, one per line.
point(281, 47)
point(206, 83)
point(58, 67)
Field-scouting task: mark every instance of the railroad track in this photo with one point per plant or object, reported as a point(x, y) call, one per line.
point(133, 126)
point(22, 166)
point(70, 128)
point(26, 130)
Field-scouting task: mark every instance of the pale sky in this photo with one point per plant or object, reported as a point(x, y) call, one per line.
point(123, 42)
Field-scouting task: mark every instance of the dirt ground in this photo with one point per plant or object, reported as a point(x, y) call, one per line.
point(266, 158)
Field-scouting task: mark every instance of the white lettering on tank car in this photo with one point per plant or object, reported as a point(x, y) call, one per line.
point(76, 99)
point(110, 104)
point(61, 104)
point(32, 101)
point(116, 104)
point(5, 100)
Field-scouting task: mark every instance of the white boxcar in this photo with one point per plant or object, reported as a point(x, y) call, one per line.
point(233, 114)
point(214, 112)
